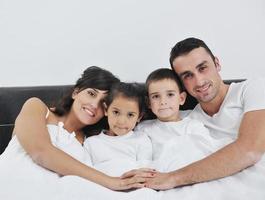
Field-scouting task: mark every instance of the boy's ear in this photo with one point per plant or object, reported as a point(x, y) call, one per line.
point(183, 96)
point(147, 102)
point(105, 107)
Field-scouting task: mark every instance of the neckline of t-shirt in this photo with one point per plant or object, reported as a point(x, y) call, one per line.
point(120, 137)
point(60, 124)
point(228, 94)
point(176, 123)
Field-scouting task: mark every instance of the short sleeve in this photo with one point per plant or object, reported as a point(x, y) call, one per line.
point(144, 147)
point(253, 96)
point(88, 152)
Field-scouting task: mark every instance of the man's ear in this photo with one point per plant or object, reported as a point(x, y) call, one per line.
point(217, 64)
point(105, 107)
point(183, 96)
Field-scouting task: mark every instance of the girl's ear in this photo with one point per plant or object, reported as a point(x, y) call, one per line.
point(183, 96)
point(140, 117)
point(105, 109)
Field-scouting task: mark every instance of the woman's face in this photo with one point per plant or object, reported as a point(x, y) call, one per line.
point(88, 105)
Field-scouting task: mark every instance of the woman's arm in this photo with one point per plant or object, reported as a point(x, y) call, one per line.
point(32, 133)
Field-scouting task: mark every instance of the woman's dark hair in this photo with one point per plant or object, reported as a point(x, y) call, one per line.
point(134, 91)
point(92, 77)
point(161, 74)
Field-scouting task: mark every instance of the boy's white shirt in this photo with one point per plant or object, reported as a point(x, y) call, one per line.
point(176, 144)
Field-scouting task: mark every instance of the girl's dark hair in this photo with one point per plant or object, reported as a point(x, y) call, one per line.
point(92, 77)
point(135, 91)
point(161, 74)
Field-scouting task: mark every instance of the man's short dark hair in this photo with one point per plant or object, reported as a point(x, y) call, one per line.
point(185, 46)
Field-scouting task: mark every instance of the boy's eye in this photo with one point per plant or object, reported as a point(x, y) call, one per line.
point(171, 94)
point(115, 112)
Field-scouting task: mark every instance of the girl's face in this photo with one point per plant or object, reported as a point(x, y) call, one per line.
point(165, 98)
point(88, 105)
point(123, 114)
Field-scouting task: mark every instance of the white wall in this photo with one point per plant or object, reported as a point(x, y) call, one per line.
point(49, 42)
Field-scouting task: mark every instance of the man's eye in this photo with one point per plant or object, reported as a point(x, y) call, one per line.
point(201, 69)
point(187, 76)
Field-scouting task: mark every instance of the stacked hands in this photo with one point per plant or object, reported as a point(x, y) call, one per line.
point(145, 177)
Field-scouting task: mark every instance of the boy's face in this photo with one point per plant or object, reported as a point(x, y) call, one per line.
point(123, 114)
point(165, 99)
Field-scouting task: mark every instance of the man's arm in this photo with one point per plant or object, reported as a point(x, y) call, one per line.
point(244, 152)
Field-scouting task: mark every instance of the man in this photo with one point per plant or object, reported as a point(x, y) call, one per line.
point(236, 111)
point(239, 114)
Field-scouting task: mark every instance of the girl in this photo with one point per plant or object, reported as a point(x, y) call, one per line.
point(119, 149)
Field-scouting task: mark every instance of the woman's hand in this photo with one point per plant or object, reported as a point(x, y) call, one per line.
point(131, 180)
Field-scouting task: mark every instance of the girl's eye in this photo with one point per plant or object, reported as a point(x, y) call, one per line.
point(154, 96)
point(130, 115)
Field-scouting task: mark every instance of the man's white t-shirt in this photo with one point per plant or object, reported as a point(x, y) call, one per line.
point(241, 98)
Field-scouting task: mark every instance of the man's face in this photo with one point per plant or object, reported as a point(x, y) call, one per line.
point(199, 73)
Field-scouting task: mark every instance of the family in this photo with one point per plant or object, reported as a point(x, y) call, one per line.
point(215, 151)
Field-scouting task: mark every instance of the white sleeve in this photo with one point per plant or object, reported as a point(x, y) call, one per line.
point(253, 96)
point(88, 151)
point(144, 147)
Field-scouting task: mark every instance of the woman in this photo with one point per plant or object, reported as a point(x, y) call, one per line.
point(44, 135)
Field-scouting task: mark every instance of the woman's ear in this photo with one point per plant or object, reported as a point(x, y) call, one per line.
point(183, 96)
point(74, 94)
point(105, 107)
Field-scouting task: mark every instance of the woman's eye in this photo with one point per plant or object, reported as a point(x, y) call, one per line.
point(92, 94)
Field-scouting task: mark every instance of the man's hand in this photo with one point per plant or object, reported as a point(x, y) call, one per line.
point(162, 181)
